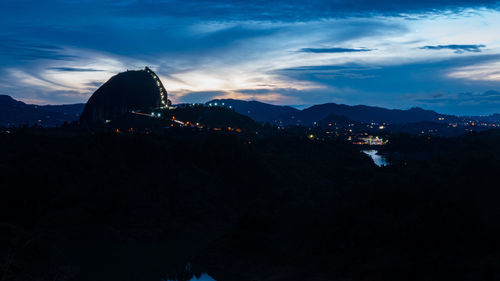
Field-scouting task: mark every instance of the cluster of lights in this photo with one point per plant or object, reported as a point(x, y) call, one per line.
point(368, 140)
point(217, 104)
point(163, 92)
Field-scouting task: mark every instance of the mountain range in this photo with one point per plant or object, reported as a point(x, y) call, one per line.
point(286, 115)
point(17, 113)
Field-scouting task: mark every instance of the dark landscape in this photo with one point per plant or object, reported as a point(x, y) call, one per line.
point(145, 196)
point(214, 140)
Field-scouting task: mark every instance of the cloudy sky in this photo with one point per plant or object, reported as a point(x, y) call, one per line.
point(442, 55)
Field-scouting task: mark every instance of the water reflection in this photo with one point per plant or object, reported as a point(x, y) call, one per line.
point(202, 277)
point(377, 159)
point(187, 273)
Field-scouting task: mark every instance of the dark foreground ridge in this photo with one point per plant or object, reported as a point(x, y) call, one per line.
point(142, 190)
point(275, 207)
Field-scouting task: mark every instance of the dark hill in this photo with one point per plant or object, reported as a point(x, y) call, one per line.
point(287, 115)
point(212, 117)
point(17, 113)
point(125, 92)
point(258, 111)
point(366, 114)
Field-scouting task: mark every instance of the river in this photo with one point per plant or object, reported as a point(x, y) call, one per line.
point(377, 159)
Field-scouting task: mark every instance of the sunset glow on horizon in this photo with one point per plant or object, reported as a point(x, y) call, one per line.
point(436, 56)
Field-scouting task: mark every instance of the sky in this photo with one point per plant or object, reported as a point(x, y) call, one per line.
point(441, 55)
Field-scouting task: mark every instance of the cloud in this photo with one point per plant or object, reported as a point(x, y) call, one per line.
point(271, 95)
point(224, 10)
point(327, 74)
point(195, 97)
point(94, 84)
point(205, 48)
point(267, 91)
point(74, 69)
point(491, 93)
point(295, 10)
point(459, 49)
point(465, 98)
point(398, 85)
point(332, 50)
point(16, 50)
point(468, 103)
point(481, 71)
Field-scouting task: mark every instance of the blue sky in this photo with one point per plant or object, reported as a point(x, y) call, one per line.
point(441, 55)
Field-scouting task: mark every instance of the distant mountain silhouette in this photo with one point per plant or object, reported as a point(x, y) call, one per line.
point(139, 91)
point(258, 111)
point(17, 113)
point(490, 118)
point(360, 113)
point(366, 114)
point(128, 91)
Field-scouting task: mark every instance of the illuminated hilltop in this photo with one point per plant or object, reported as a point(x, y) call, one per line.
point(138, 91)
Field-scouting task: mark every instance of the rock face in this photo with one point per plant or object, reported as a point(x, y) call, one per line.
point(138, 90)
